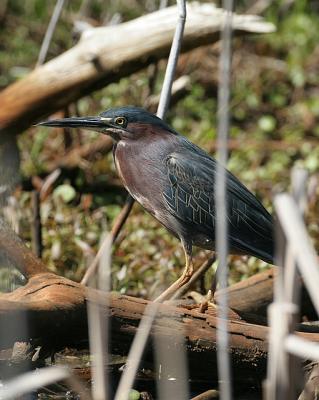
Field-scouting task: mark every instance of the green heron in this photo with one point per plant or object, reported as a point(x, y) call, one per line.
point(174, 180)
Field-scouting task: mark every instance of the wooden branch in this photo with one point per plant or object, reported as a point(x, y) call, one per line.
point(253, 295)
point(55, 309)
point(74, 158)
point(106, 54)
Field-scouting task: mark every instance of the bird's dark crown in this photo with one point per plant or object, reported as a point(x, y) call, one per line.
point(137, 115)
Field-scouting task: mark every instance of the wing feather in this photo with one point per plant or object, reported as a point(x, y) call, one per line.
point(190, 198)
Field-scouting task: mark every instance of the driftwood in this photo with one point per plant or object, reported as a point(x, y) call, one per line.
point(104, 55)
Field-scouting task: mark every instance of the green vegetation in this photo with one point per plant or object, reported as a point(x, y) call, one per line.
point(275, 114)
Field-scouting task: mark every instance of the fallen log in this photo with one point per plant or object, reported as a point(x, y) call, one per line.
point(50, 311)
point(55, 309)
point(253, 295)
point(104, 55)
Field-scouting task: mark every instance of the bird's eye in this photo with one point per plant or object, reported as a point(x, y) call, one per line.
point(120, 121)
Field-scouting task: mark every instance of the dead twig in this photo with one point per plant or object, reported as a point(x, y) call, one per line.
point(117, 226)
point(36, 229)
point(49, 33)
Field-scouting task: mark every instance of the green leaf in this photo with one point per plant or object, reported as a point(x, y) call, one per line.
point(267, 123)
point(66, 192)
point(134, 395)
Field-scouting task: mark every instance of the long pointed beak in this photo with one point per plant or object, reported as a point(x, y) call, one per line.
point(92, 123)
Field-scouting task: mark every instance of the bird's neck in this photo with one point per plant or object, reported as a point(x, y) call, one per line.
point(137, 160)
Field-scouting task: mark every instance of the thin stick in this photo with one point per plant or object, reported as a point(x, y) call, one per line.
point(299, 242)
point(145, 325)
point(48, 182)
point(171, 366)
point(49, 33)
point(36, 224)
point(31, 381)
point(284, 368)
point(120, 220)
point(305, 349)
point(172, 61)
point(98, 324)
point(117, 226)
point(223, 361)
point(136, 351)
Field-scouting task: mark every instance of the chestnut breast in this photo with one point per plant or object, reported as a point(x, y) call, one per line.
point(141, 167)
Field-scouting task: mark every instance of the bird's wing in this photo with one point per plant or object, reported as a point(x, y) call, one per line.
point(189, 195)
point(190, 198)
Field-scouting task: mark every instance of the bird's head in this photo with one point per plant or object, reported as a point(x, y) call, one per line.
point(122, 123)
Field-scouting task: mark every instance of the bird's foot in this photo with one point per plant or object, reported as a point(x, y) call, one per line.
point(203, 302)
point(208, 301)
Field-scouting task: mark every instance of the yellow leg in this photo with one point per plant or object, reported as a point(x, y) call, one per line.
point(187, 274)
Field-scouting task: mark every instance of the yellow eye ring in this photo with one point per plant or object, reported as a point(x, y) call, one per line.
point(120, 121)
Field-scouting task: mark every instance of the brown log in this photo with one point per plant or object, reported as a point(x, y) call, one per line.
point(55, 308)
point(253, 295)
point(106, 54)
point(56, 311)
